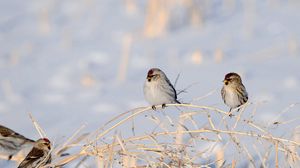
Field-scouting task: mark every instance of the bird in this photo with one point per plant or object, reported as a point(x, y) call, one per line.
point(39, 155)
point(12, 142)
point(233, 93)
point(158, 89)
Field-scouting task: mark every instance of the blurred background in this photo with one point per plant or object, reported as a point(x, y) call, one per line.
point(82, 62)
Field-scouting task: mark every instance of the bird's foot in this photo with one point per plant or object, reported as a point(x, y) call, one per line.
point(163, 106)
point(230, 113)
point(153, 107)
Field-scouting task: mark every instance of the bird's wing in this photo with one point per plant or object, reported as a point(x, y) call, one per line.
point(6, 132)
point(242, 93)
point(223, 93)
point(173, 89)
point(33, 155)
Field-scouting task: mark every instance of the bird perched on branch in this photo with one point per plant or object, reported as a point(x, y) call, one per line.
point(12, 142)
point(234, 93)
point(158, 89)
point(39, 155)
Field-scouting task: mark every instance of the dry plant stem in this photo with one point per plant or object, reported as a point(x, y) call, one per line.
point(254, 111)
point(201, 107)
point(266, 156)
point(37, 126)
point(289, 121)
point(213, 126)
point(81, 161)
point(121, 122)
point(220, 152)
point(238, 118)
point(180, 128)
point(251, 160)
point(190, 118)
point(256, 126)
point(132, 127)
point(117, 117)
point(70, 139)
point(143, 109)
point(283, 112)
point(220, 158)
point(111, 154)
point(151, 150)
point(250, 134)
point(63, 162)
point(158, 123)
point(259, 155)
point(276, 154)
point(186, 88)
point(266, 132)
point(168, 118)
point(175, 83)
point(149, 108)
point(232, 137)
point(121, 144)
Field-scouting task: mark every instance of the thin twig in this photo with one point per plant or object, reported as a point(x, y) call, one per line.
point(37, 126)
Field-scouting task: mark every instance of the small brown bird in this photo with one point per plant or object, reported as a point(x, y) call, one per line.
point(39, 155)
point(158, 89)
point(234, 93)
point(11, 142)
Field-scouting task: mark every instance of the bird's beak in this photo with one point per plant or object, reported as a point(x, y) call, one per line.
point(225, 82)
point(49, 147)
point(149, 77)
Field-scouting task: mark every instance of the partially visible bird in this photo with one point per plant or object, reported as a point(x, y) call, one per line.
point(158, 89)
point(234, 93)
point(11, 142)
point(39, 155)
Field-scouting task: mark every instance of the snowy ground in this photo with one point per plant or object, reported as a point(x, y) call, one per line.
point(60, 60)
